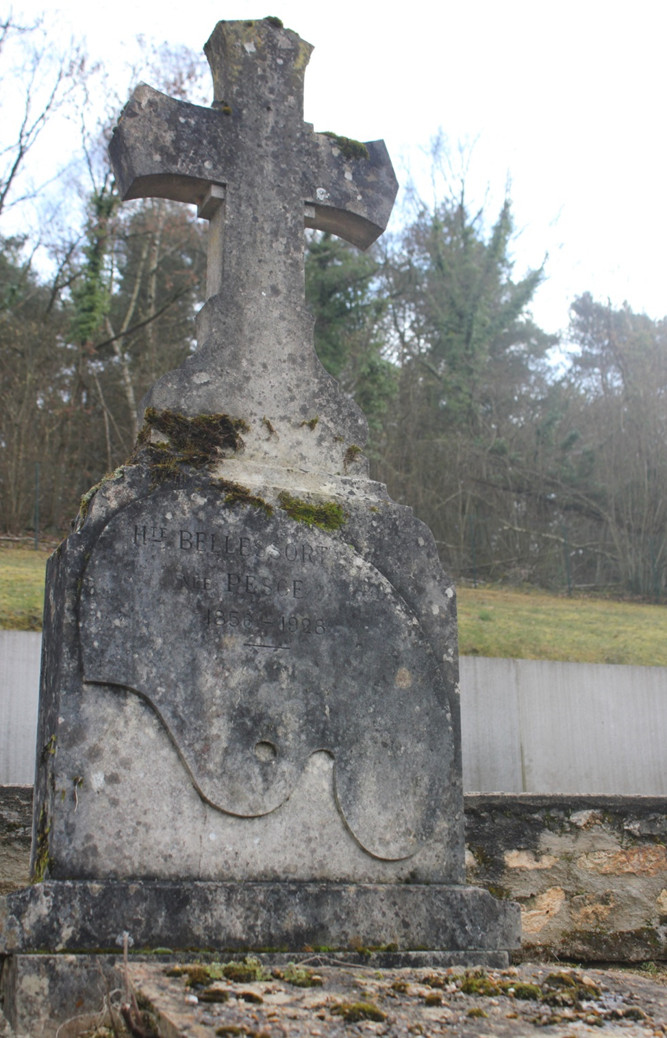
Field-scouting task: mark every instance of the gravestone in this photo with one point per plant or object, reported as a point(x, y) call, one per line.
point(249, 727)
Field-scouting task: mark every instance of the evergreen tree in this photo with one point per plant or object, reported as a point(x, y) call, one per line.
point(343, 293)
point(471, 359)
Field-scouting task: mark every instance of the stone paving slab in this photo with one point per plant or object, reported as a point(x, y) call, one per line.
point(353, 1000)
point(264, 1000)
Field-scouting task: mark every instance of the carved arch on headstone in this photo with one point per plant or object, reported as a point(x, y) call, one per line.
point(259, 641)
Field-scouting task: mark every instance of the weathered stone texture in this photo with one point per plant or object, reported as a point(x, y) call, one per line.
point(259, 174)
point(15, 836)
point(503, 853)
point(184, 744)
point(41, 991)
point(249, 725)
point(590, 873)
point(90, 916)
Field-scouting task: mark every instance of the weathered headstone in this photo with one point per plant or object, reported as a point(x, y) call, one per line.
point(249, 725)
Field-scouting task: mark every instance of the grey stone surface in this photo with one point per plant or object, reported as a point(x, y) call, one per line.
point(42, 991)
point(15, 835)
point(410, 1000)
point(249, 729)
point(513, 713)
point(258, 173)
point(280, 628)
point(93, 916)
point(251, 697)
point(589, 873)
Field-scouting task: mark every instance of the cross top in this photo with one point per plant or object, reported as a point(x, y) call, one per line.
point(259, 174)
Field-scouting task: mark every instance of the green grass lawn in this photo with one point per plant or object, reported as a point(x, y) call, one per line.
point(22, 587)
point(537, 626)
point(492, 621)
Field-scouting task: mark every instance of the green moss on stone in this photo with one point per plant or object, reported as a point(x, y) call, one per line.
point(250, 996)
point(482, 856)
point(197, 975)
point(310, 423)
point(479, 983)
point(276, 22)
point(245, 972)
point(86, 499)
point(43, 860)
point(526, 992)
point(213, 995)
point(327, 516)
point(502, 893)
point(350, 148)
point(236, 494)
point(197, 440)
point(299, 976)
point(351, 455)
point(49, 748)
point(353, 1012)
point(568, 989)
point(192, 443)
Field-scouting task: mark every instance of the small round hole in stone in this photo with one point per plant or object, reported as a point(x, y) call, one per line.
point(265, 751)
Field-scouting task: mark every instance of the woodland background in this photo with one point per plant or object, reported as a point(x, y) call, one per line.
point(533, 460)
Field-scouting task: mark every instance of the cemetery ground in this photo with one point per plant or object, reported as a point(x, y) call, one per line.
point(317, 996)
point(494, 621)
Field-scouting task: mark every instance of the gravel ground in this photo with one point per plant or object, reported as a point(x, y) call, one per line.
point(268, 1002)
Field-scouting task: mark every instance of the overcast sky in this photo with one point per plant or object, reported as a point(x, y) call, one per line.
point(562, 101)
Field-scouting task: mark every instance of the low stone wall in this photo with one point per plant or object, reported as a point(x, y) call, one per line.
point(589, 872)
point(15, 836)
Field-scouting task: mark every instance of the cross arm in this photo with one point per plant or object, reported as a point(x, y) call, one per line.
point(350, 188)
point(156, 148)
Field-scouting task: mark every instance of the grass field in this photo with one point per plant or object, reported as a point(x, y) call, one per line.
point(493, 621)
point(536, 626)
point(22, 587)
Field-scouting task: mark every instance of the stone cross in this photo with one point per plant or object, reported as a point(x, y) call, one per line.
point(259, 174)
point(251, 165)
point(249, 729)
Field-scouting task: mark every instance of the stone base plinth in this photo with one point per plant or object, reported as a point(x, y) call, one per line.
point(40, 992)
point(84, 916)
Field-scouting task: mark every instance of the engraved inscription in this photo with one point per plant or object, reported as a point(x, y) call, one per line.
point(294, 624)
point(253, 579)
point(238, 584)
point(215, 542)
point(259, 642)
point(148, 534)
point(193, 581)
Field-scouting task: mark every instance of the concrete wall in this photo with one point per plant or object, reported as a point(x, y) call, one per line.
point(19, 693)
point(589, 873)
point(538, 726)
point(528, 726)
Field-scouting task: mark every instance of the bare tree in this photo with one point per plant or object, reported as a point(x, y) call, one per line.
point(37, 82)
